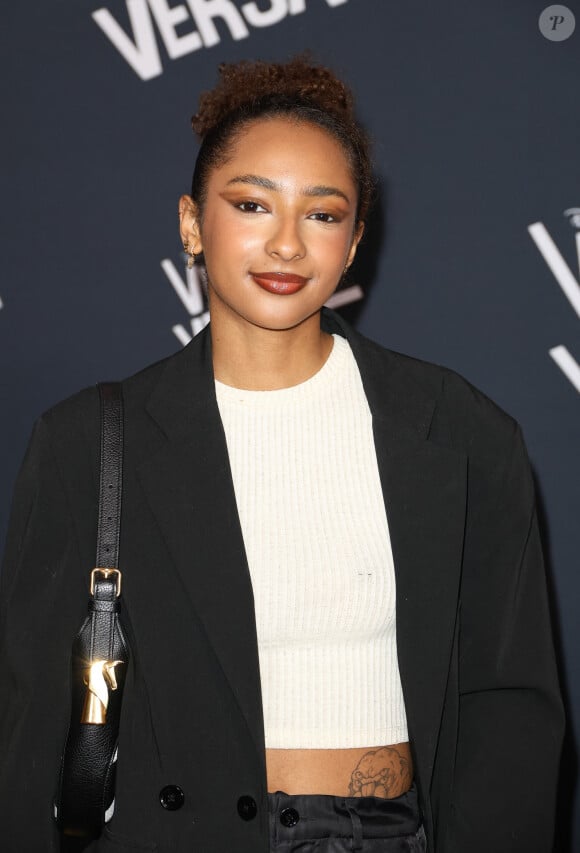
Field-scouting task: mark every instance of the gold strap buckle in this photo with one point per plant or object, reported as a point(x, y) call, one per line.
point(107, 573)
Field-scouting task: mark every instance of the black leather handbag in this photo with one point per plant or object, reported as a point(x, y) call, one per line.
point(85, 799)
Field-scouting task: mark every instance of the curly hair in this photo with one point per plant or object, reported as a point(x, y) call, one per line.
point(300, 89)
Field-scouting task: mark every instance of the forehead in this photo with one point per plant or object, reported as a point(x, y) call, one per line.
point(287, 148)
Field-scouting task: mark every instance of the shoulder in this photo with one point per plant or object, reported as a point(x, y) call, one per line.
point(434, 403)
point(464, 419)
point(69, 431)
point(82, 407)
point(471, 413)
point(435, 399)
point(467, 410)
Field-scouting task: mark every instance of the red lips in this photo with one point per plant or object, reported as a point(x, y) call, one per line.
point(279, 282)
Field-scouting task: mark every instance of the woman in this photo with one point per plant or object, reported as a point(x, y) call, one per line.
point(332, 576)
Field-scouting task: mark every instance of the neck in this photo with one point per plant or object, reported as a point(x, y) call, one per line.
point(258, 359)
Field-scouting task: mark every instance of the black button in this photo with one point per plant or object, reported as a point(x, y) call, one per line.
point(289, 817)
point(247, 808)
point(171, 797)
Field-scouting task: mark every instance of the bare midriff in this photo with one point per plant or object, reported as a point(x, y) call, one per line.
point(371, 771)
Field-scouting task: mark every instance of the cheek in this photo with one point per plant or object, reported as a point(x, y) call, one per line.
point(229, 237)
point(332, 249)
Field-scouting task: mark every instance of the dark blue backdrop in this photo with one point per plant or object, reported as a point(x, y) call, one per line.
point(472, 257)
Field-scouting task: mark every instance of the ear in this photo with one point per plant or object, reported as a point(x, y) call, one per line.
point(357, 236)
point(189, 225)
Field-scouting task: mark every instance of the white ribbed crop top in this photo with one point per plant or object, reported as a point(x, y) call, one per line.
point(316, 536)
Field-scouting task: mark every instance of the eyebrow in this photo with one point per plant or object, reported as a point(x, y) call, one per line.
point(313, 192)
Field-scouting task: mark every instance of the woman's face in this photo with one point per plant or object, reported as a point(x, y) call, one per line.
point(278, 225)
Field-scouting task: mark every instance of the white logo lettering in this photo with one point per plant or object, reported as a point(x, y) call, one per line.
point(167, 20)
point(191, 295)
point(139, 46)
point(142, 54)
point(345, 296)
point(278, 10)
point(567, 364)
point(570, 287)
point(295, 7)
point(204, 11)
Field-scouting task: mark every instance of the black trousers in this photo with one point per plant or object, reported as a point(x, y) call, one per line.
point(321, 823)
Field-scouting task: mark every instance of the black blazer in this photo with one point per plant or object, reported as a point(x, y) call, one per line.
point(474, 637)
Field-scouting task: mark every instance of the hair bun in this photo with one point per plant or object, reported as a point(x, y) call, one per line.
point(246, 83)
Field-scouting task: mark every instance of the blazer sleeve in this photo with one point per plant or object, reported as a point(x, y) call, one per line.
point(510, 710)
point(42, 602)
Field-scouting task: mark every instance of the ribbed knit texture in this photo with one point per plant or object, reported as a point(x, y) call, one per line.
point(316, 536)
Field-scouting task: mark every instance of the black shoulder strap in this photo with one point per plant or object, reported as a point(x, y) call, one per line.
point(85, 799)
point(111, 475)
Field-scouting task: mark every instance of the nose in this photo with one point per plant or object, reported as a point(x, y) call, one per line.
point(285, 241)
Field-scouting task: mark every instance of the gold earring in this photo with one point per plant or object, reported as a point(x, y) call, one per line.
point(190, 255)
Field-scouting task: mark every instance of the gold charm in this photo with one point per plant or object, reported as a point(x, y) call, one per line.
point(98, 675)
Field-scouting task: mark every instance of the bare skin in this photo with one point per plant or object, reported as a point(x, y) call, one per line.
point(376, 771)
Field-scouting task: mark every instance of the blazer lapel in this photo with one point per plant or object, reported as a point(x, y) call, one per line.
point(424, 488)
point(189, 487)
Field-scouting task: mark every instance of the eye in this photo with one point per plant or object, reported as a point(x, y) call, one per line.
point(321, 216)
point(249, 206)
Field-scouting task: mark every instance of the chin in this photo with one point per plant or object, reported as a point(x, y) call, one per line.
point(284, 320)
